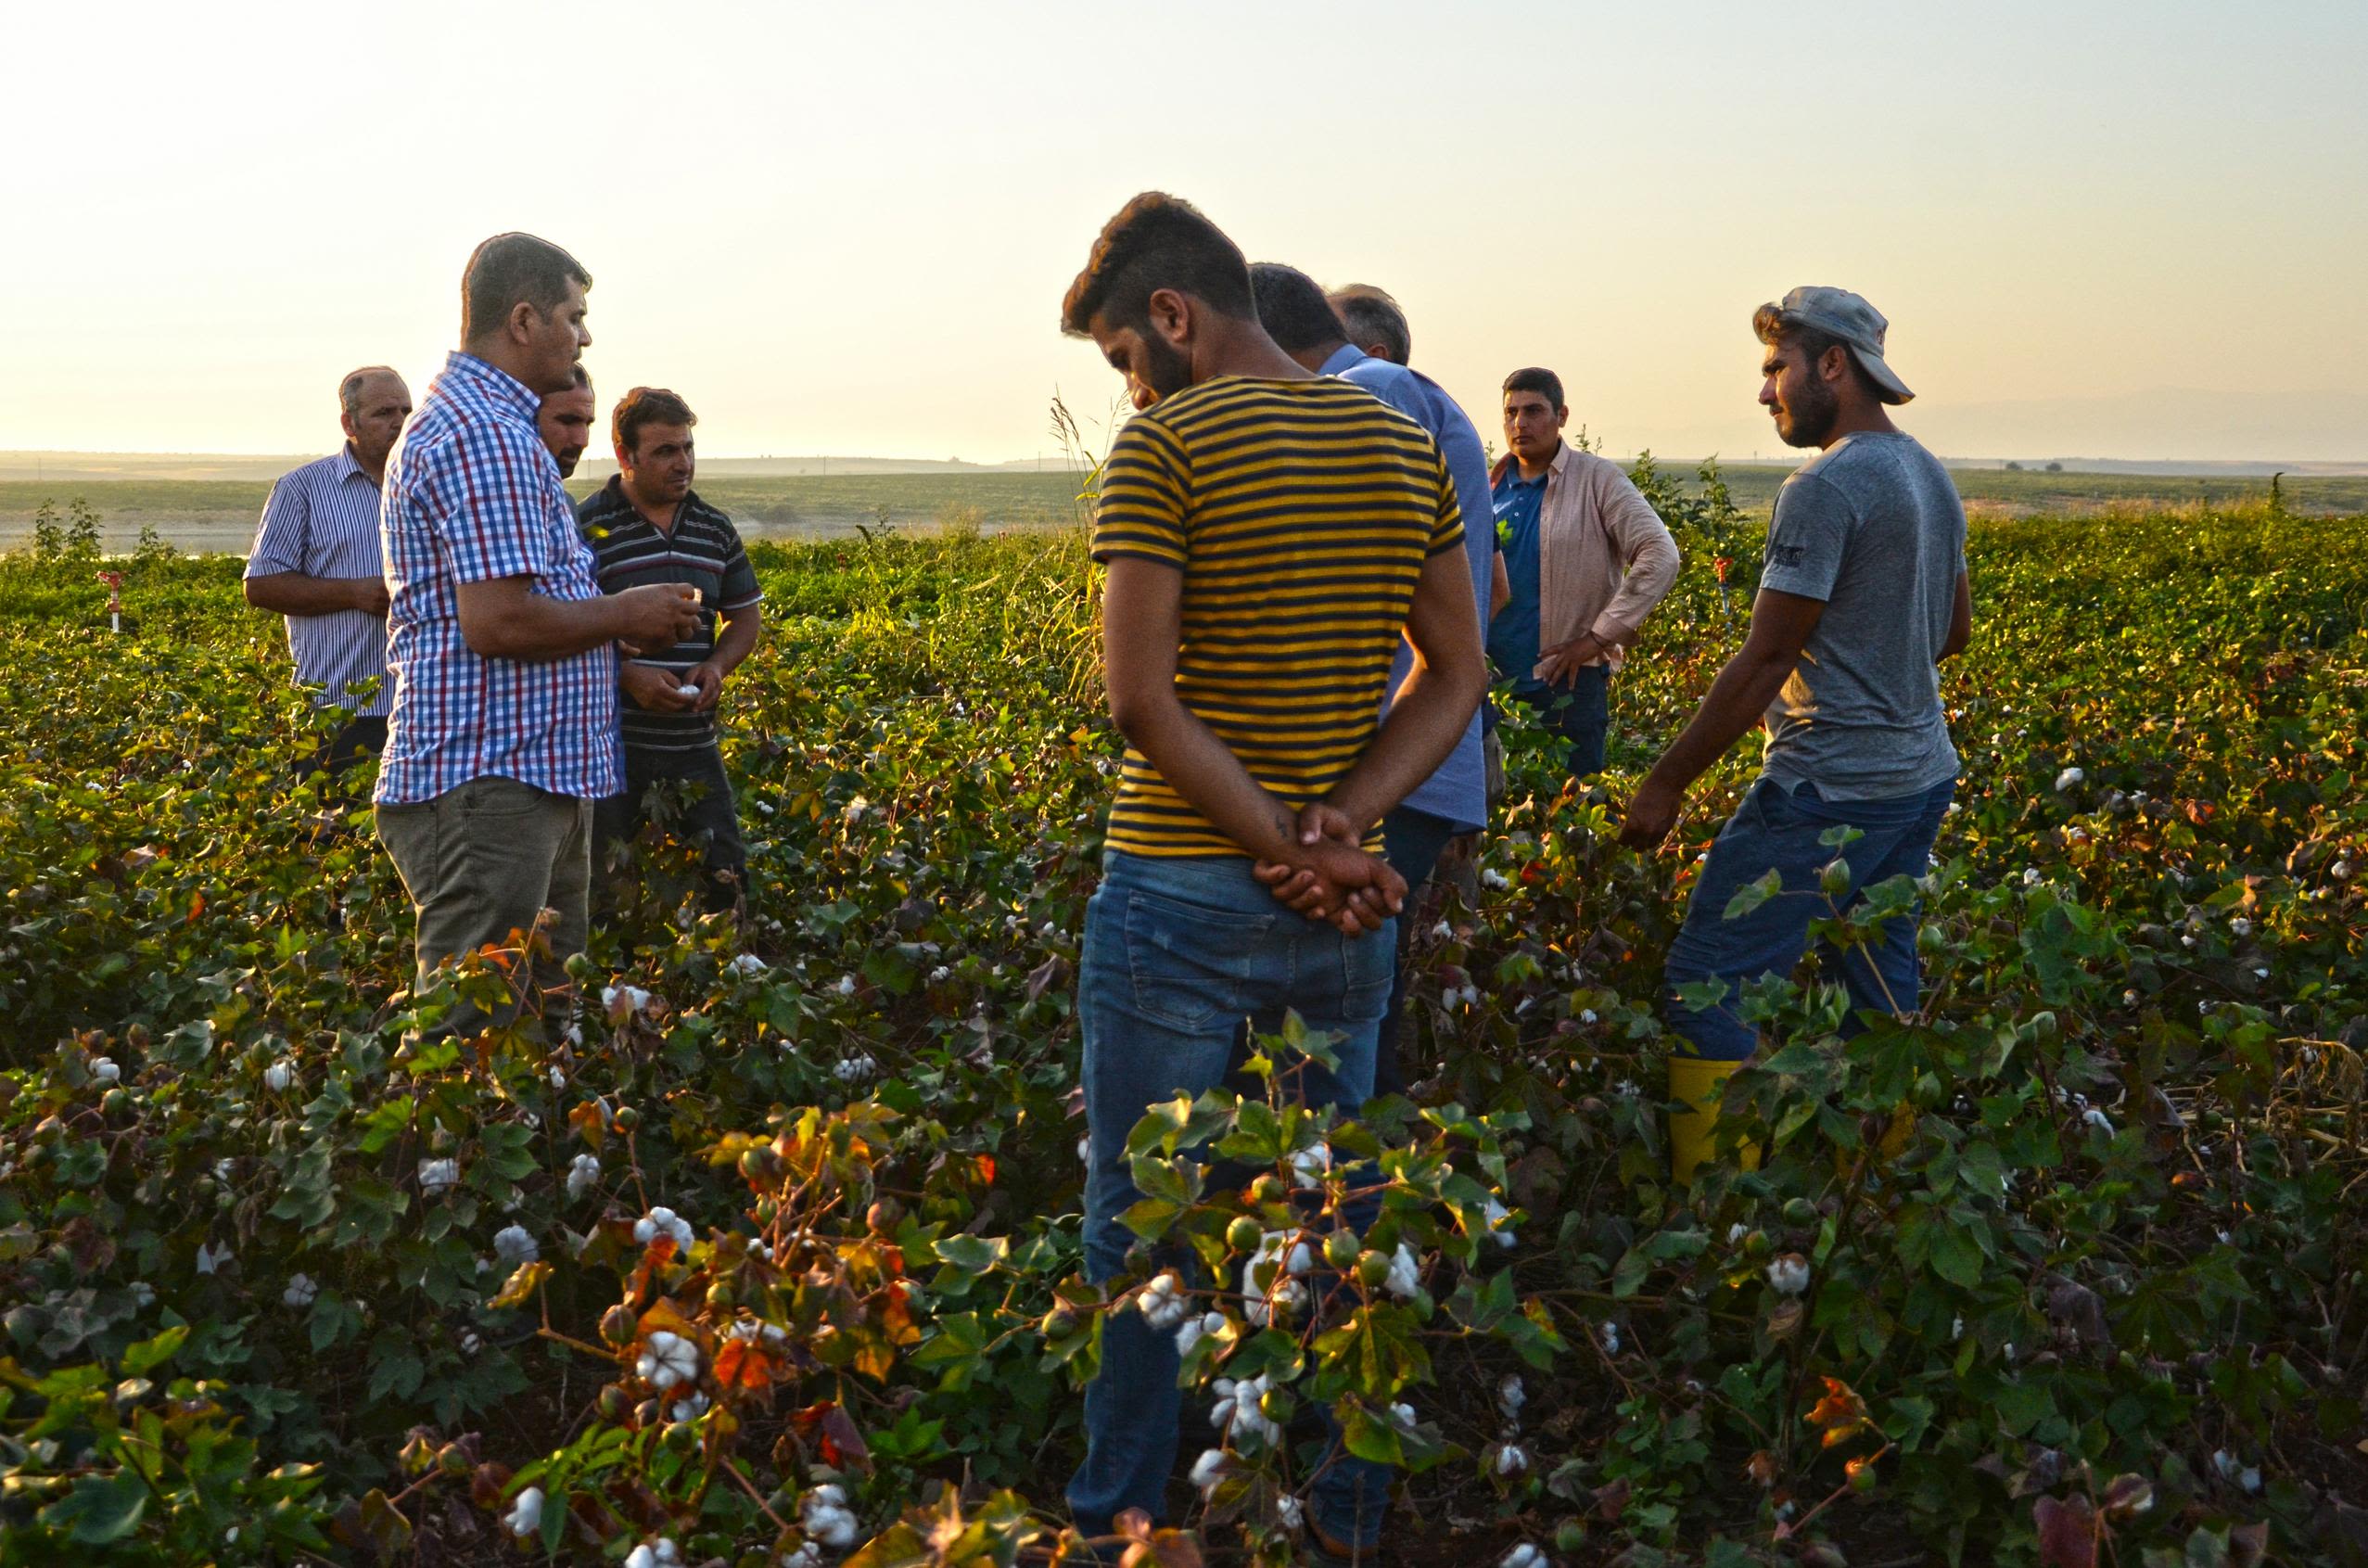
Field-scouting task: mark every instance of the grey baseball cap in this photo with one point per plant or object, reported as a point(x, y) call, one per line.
point(1848, 317)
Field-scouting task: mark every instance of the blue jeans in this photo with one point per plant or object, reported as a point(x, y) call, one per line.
point(1177, 951)
point(1411, 841)
point(1780, 828)
point(1580, 714)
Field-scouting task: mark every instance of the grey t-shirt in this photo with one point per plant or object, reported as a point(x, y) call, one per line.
point(1873, 527)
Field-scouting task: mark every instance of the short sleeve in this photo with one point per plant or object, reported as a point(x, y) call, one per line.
point(740, 588)
point(1144, 482)
point(488, 506)
point(1447, 522)
point(282, 538)
point(1807, 538)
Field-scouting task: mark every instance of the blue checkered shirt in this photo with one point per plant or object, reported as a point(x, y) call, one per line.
point(323, 521)
point(472, 494)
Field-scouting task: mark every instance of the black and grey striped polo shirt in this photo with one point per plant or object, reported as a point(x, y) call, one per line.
point(703, 551)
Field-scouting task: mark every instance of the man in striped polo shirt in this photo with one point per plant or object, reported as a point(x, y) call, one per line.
point(316, 562)
point(502, 645)
point(645, 526)
point(1268, 534)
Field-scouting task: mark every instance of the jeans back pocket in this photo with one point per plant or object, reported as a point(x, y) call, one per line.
point(1191, 963)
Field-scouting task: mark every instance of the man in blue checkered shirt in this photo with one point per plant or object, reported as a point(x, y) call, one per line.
point(501, 648)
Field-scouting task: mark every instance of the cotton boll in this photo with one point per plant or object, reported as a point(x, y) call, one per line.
point(1512, 1460)
point(513, 1246)
point(278, 1076)
point(582, 1174)
point(1209, 1469)
point(1788, 1275)
point(437, 1175)
point(2098, 1119)
point(1511, 1395)
point(1310, 1166)
point(301, 1290)
point(105, 1070)
point(1522, 1556)
point(526, 1513)
point(2069, 779)
point(1405, 1273)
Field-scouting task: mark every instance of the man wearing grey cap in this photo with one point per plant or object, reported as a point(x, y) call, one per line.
point(1862, 593)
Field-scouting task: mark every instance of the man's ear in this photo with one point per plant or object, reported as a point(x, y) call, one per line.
point(520, 323)
point(1834, 363)
point(1171, 315)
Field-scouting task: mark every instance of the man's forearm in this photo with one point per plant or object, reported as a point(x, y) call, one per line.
point(1432, 712)
point(1736, 702)
point(537, 629)
point(299, 593)
point(739, 639)
point(1200, 768)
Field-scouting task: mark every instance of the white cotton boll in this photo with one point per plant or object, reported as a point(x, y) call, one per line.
point(1736, 1232)
point(1512, 1460)
point(641, 1556)
point(1209, 1469)
point(2069, 779)
point(526, 1513)
point(1309, 1166)
point(1085, 1152)
point(1162, 1302)
point(1442, 931)
point(471, 1342)
point(691, 1409)
point(2031, 876)
point(806, 1556)
point(2262, 973)
point(1405, 1273)
point(1290, 1512)
point(1402, 1415)
point(2250, 1478)
point(1788, 1275)
point(1498, 1214)
point(2240, 927)
point(940, 975)
point(583, 1173)
point(634, 998)
point(1191, 1335)
point(1522, 1556)
point(558, 1079)
point(855, 809)
point(2339, 872)
point(2098, 1120)
point(2130, 998)
point(211, 1259)
point(513, 1246)
point(222, 1169)
point(1511, 1395)
point(854, 1069)
point(301, 1290)
point(1586, 1015)
point(437, 1175)
point(278, 1076)
point(1610, 1337)
point(668, 1359)
point(105, 1070)
point(748, 963)
point(1496, 880)
point(846, 984)
point(143, 1293)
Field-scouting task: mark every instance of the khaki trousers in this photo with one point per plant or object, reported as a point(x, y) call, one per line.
point(482, 861)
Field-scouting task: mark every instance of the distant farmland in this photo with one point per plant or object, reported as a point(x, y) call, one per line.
point(219, 514)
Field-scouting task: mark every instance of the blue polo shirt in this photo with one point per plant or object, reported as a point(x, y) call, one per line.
point(1512, 634)
point(1458, 790)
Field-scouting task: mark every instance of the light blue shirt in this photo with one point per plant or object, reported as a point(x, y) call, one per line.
point(1458, 791)
point(321, 521)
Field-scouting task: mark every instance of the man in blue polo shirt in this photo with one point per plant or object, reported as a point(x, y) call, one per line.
point(1301, 321)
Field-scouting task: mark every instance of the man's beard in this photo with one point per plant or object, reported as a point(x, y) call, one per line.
point(1166, 369)
point(1811, 415)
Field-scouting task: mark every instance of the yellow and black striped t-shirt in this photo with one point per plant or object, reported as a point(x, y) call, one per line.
point(1301, 513)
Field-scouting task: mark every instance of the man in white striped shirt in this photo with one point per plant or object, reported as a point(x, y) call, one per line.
point(316, 560)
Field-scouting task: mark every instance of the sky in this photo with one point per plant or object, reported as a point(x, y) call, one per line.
point(2116, 230)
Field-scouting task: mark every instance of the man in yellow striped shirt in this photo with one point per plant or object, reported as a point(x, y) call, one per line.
point(1268, 533)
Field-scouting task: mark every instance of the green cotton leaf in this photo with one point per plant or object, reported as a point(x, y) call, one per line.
point(1907, 1421)
point(1151, 1218)
point(972, 1256)
point(1840, 836)
point(100, 1510)
point(1372, 1438)
point(1751, 895)
point(1701, 996)
point(1628, 1274)
point(1178, 1181)
point(1956, 1256)
point(149, 1354)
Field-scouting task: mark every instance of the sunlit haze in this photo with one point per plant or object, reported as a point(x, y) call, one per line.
point(2112, 230)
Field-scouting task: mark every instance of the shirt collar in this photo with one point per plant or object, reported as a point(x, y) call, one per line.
point(498, 385)
point(349, 467)
point(1347, 356)
point(1562, 457)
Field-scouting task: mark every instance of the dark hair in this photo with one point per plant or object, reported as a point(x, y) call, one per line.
point(510, 269)
point(349, 389)
point(1773, 327)
point(1537, 380)
point(583, 377)
point(1156, 241)
point(1373, 318)
point(1292, 309)
point(646, 405)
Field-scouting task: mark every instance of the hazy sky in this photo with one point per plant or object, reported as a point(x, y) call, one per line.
point(2098, 229)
